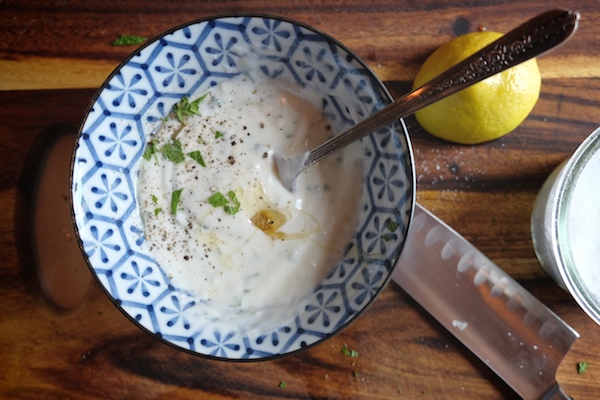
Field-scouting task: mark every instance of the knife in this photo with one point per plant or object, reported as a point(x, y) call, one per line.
point(509, 329)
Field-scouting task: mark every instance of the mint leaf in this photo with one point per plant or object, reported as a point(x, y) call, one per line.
point(231, 205)
point(232, 209)
point(173, 152)
point(387, 238)
point(217, 200)
point(391, 225)
point(185, 108)
point(348, 351)
point(197, 156)
point(175, 197)
point(155, 201)
point(128, 40)
point(149, 151)
point(582, 366)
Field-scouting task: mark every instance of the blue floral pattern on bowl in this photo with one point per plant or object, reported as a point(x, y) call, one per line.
point(143, 89)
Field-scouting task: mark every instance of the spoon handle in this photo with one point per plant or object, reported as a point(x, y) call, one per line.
point(527, 41)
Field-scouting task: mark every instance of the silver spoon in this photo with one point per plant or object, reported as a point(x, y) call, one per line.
point(534, 37)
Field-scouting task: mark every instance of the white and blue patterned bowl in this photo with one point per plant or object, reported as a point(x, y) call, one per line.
point(143, 89)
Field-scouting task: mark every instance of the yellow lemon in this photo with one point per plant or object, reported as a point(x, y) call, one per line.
point(485, 111)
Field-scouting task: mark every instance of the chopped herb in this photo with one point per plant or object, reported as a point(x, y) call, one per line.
point(185, 109)
point(175, 197)
point(582, 366)
point(217, 200)
point(198, 157)
point(283, 384)
point(173, 152)
point(155, 201)
point(355, 373)
point(218, 134)
point(231, 205)
point(150, 150)
point(128, 40)
point(232, 209)
point(348, 351)
point(391, 225)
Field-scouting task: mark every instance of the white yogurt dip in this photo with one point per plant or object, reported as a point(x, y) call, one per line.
point(583, 224)
point(234, 256)
point(565, 225)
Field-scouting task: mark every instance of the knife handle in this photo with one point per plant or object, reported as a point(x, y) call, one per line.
point(556, 393)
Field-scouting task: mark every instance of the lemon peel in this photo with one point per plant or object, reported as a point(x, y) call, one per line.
point(485, 111)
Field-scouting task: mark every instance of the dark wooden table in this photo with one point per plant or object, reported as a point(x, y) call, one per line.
point(54, 54)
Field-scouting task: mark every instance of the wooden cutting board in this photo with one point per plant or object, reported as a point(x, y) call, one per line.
point(54, 54)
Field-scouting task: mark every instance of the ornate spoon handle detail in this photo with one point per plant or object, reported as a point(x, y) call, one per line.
point(527, 41)
point(533, 38)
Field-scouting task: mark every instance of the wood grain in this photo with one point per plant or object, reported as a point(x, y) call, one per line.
point(51, 46)
point(54, 54)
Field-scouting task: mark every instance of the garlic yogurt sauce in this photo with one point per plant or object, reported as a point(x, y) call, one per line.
point(218, 221)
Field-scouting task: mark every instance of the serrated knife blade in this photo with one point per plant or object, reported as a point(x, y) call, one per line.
point(509, 329)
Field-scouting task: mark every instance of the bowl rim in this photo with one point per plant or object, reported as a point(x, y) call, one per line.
point(410, 172)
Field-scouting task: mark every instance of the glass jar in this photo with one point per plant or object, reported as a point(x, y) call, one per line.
point(565, 225)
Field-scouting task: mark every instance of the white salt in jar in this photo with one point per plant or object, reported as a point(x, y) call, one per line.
point(565, 225)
